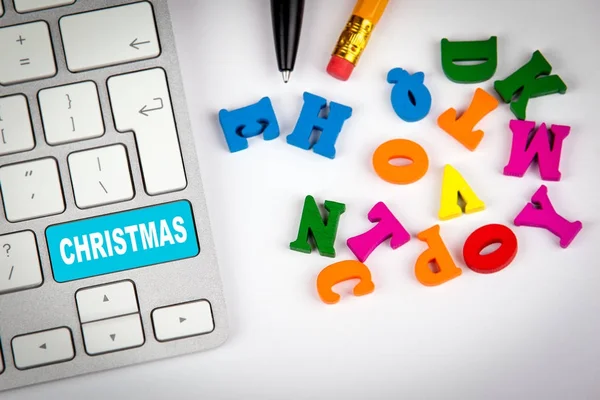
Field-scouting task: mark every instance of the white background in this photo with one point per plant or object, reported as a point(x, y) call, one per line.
point(529, 332)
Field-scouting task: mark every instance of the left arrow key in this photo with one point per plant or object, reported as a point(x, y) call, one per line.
point(57, 346)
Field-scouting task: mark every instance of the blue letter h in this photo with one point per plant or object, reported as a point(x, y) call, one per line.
point(310, 120)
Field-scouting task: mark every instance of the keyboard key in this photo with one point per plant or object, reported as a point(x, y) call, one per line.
point(183, 320)
point(122, 241)
point(19, 262)
point(31, 190)
point(71, 113)
point(141, 103)
point(35, 5)
point(43, 348)
point(16, 133)
point(106, 301)
point(111, 36)
point(113, 334)
point(100, 176)
point(26, 53)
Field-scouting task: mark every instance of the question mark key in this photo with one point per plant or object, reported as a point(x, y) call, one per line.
point(19, 262)
point(7, 247)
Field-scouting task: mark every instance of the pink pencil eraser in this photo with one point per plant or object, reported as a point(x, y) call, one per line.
point(340, 68)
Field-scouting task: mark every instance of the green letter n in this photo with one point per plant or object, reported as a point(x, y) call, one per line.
point(323, 231)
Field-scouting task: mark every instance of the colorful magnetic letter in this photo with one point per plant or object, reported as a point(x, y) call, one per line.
point(387, 227)
point(400, 174)
point(436, 253)
point(410, 97)
point(479, 50)
point(310, 120)
point(461, 129)
point(323, 232)
point(343, 271)
point(529, 81)
point(454, 184)
point(524, 150)
point(496, 260)
point(243, 123)
point(544, 216)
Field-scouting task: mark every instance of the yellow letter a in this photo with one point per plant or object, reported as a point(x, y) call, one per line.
point(454, 185)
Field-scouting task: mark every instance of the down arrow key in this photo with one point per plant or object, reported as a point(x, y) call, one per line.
point(113, 334)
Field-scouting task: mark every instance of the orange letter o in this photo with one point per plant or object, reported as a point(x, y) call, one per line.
point(400, 148)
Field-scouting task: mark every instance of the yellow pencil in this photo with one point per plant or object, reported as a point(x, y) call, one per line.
point(354, 38)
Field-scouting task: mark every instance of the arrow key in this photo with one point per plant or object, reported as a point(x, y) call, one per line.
point(113, 334)
point(43, 348)
point(182, 320)
point(106, 301)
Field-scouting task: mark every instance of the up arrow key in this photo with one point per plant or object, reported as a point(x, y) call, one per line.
point(105, 299)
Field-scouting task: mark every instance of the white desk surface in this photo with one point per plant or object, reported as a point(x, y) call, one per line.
point(531, 331)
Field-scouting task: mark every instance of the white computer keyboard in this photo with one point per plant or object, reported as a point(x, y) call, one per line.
point(106, 254)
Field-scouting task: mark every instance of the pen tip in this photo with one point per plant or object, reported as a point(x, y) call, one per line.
point(286, 75)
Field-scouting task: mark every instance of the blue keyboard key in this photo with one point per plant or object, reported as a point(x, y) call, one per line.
point(122, 241)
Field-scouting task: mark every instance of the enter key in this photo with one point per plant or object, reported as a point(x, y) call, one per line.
point(141, 103)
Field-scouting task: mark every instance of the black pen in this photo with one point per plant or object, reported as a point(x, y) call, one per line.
point(286, 17)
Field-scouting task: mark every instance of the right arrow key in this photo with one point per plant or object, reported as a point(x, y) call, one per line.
point(183, 320)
